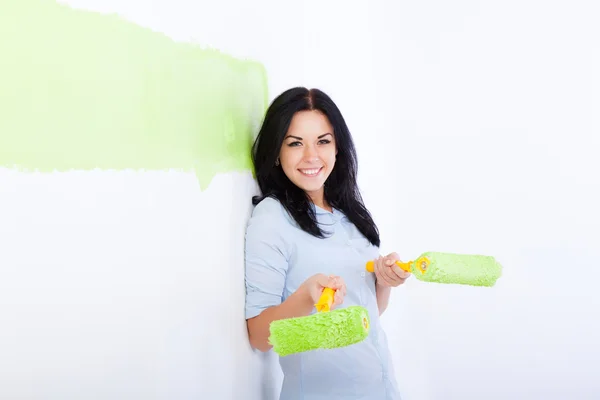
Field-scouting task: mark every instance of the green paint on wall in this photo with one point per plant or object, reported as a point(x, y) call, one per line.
point(83, 90)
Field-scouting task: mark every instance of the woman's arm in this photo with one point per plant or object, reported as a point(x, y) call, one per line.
point(266, 264)
point(297, 304)
point(388, 275)
point(383, 296)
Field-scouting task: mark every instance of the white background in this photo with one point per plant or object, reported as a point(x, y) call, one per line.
point(481, 124)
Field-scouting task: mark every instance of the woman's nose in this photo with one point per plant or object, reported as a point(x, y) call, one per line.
point(310, 154)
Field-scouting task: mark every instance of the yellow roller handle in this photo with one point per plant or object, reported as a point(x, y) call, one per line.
point(326, 300)
point(404, 265)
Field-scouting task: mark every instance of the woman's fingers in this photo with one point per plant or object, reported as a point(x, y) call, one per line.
point(340, 291)
point(388, 272)
point(382, 273)
point(336, 283)
point(338, 298)
point(399, 272)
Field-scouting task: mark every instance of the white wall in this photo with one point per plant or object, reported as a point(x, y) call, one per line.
point(492, 120)
point(479, 120)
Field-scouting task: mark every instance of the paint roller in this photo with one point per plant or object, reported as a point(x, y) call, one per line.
point(324, 329)
point(463, 269)
point(328, 329)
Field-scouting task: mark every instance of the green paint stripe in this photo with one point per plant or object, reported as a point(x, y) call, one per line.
point(83, 90)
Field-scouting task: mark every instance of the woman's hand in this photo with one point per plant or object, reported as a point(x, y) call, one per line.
point(300, 303)
point(388, 273)
point(314, 286)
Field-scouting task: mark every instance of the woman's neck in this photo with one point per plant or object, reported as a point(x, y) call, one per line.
point(318, 200)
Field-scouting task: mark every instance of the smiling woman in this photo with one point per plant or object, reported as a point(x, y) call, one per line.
point(304, 155)
point(309, 231)
point(308, 154)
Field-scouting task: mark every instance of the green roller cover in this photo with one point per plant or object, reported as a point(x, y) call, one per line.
point(464, 269)
point(322, 330)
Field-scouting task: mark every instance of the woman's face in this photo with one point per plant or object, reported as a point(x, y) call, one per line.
point(308, 151)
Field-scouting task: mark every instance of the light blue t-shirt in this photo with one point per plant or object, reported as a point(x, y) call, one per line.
point(279, 258)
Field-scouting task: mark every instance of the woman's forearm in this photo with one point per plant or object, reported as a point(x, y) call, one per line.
point(296, 305)
point(383, 297)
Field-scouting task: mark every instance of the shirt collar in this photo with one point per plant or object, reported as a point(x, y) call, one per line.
point(336, 214)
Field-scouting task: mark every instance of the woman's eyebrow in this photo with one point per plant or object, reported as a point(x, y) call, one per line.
point(299, 138)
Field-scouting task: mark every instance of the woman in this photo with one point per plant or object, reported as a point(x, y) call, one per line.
point(310, 230)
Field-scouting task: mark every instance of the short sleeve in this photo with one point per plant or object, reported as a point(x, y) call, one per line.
point(266, 263)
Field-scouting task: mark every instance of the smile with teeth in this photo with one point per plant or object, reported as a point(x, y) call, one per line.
point(310, 171)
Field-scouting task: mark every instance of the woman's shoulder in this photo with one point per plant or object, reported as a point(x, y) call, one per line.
point(270, 211)
point(269, 223)
point(267, 205)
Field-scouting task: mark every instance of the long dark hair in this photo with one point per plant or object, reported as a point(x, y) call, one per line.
point(341, 189)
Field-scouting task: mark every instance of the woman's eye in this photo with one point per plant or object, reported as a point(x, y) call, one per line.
point(323, 141)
